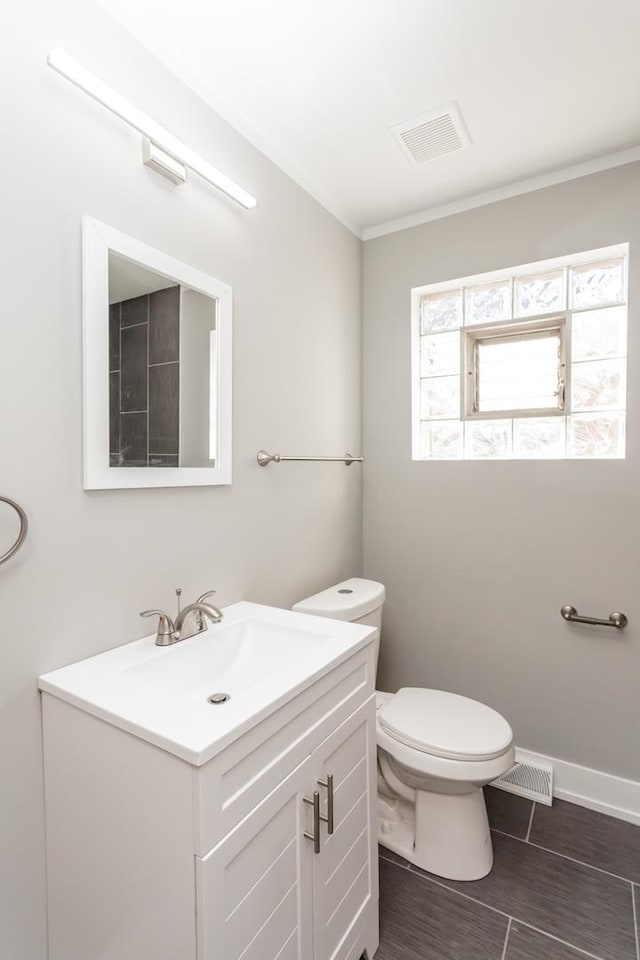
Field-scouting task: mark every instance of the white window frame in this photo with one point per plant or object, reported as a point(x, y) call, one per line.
point(500, 332)
point(565, 263)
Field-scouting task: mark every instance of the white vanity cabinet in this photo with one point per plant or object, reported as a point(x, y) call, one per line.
point(151, 857)
point(263, 884)
point(255, 888)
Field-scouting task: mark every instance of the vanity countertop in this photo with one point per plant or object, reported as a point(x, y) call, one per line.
point(261, 656)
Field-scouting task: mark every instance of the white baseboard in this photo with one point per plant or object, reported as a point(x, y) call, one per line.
point(594, 789)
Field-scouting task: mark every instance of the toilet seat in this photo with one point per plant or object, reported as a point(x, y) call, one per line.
point(445, 725)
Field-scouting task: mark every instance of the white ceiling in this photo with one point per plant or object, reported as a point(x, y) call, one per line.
point(316, 85)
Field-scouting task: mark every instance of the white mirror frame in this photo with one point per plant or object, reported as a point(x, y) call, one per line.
point(98, 240)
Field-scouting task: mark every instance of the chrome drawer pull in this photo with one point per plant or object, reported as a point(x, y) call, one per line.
point(328, 783)
point(315, 836)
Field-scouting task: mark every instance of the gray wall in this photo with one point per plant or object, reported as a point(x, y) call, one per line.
point(478, 557)
point(93, 560)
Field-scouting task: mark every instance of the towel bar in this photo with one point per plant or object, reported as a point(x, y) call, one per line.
point(265, 458)
point(24, 526)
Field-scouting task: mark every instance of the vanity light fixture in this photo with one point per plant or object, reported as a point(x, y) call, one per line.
point(168, 151)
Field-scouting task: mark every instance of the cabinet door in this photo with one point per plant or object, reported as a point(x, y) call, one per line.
point(345, 873)
point(254, 889)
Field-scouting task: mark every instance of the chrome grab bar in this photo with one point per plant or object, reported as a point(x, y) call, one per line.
point(24, 526)
point(616, 619)
point(264, 458)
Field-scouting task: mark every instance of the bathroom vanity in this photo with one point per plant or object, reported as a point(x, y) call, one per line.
point(183, 828)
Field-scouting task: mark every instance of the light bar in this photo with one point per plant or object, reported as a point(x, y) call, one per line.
point(111, 99)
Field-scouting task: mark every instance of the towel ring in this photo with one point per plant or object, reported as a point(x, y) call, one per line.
point(24, 526)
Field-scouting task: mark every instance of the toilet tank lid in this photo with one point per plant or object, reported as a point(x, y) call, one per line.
point(348, 600)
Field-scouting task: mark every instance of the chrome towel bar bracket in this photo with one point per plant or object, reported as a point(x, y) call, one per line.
point(24, 526)
point(264, 458)
point(616, 619)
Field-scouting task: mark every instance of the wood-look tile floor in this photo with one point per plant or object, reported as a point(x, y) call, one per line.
point(565, 885)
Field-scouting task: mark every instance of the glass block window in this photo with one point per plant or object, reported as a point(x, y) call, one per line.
point(526, 363)
point(489, 301)
point(540, 294)
point(443, 312)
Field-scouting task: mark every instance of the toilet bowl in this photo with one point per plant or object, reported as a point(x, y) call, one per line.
point(436, 751)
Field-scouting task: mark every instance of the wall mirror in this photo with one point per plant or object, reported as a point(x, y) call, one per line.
point(157, 367)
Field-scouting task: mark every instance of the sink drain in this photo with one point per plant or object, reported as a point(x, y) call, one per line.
point(219, 698)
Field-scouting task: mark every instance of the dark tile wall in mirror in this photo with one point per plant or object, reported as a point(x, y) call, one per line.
point(144, 380)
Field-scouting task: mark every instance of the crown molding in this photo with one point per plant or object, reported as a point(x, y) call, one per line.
point(550, 179)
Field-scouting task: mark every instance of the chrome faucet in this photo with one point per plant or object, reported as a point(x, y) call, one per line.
point(190, 620)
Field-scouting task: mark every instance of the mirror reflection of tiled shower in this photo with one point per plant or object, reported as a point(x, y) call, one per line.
point(144, 380)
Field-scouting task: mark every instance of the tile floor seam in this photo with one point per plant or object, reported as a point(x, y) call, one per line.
point(405, 866)
point(565, 856)
point(502, 913)
point(505, 833)
point(533, 810)
point(461, 893)
point(506, 939)
point(635, 918)
point(566, 943)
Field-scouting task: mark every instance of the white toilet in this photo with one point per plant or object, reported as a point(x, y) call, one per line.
point(436, 751)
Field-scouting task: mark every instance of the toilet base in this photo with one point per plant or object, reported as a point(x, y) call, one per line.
point(447, 835)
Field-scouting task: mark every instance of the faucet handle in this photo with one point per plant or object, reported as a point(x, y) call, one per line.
point(166, 626)
point(200, 623)
point(204, 596)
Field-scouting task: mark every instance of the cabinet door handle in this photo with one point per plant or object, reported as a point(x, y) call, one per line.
point(315, 836)
point(328, 783)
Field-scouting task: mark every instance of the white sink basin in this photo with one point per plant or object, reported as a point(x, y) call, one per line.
point(259, 656)
point(229, 658)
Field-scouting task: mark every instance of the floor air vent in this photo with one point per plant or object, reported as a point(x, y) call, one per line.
point(528, 780)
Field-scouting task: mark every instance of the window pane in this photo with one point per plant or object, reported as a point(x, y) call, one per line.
point(599, 333)
point(487, 439)
point(519, 373)
point(598, 385)
point(442, 311)
point(440, 354)
point(442, 440)
point(440, 398)
point(594, 435)
point(491, 301)
point(539, 438)
point(541, 294)
point(597, 283)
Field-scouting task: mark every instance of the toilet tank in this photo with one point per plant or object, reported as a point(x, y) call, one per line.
point(355, 600)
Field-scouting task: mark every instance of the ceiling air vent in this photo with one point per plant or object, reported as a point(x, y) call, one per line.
point(432, 134)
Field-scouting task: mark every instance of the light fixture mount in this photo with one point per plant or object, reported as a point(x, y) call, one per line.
point(162, 162)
